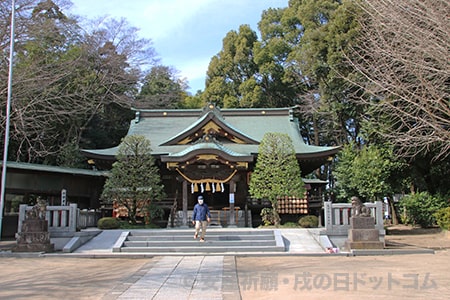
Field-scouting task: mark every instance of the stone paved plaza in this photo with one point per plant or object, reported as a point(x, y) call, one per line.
point(414, 276)
point(300, 273)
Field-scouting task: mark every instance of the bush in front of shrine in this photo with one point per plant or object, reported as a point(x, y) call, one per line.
point(309, 221)
point(108, 223)
point(443, 218)
point(420, 208)
point(267, 216)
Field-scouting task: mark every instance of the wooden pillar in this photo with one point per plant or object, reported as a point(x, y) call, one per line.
point(185, 204)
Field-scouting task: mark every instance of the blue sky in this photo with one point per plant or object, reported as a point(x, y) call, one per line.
point(185, 33)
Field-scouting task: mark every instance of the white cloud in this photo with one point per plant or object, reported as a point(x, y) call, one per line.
point(194, 69)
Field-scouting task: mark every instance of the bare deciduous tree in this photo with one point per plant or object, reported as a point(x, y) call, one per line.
point(65, 76)
point(403, 53)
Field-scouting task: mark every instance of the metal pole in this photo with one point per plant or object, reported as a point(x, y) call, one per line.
point(8, 112)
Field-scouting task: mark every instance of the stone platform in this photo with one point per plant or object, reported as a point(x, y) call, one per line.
point(34, 237)
point(363, 234)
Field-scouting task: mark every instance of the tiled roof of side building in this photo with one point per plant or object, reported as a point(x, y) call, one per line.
point(53, 169)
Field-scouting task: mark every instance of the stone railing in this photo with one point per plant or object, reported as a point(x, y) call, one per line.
point(59, 218)
point(87, 218)
point(337, 216)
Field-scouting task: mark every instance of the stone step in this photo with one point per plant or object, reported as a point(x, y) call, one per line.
point(178, 241)
point(209, 232)
point(143, 238)
point(202, 247)
point(193, 242)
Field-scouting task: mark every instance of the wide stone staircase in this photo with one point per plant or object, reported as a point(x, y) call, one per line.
point(218, 240)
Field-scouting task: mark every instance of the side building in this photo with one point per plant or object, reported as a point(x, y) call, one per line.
point(26, 182)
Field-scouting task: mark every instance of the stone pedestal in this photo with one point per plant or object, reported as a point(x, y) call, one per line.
point(363, 235)
point(34, 237)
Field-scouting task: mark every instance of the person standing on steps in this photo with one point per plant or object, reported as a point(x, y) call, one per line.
point(200, 218)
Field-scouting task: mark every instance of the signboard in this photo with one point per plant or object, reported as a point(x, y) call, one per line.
point(231, 198)
point(63, 197)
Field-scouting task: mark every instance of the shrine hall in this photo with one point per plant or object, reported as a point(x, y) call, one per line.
point(212, 152)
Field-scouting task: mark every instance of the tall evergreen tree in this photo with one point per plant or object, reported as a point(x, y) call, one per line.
point(231, 73)
point(162, 88)
point(279, 34)
point(277, 172)
point(319, 60)
point(134, 181)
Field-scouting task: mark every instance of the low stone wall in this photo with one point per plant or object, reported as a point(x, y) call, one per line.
point(337, 217)
point(337, 221)
point(59, 218)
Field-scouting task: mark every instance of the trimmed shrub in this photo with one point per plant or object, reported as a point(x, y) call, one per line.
point(267, 216)
point(309, 221)
point(443, 218)
point(419, 209)
point(290, 225)
point(108, 223)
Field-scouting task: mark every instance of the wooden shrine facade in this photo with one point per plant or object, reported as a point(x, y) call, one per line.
point(213, 151)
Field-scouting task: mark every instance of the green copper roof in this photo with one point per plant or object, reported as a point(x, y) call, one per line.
point(160, 126)
point(53, 169)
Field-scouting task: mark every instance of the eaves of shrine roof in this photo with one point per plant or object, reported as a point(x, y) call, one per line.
point(207, 148)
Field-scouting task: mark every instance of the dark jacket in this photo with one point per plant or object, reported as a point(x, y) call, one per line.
point(200, 212)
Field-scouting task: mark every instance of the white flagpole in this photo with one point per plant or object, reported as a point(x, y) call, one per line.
point(8, 112)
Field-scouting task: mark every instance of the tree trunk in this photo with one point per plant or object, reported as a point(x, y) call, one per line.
point(393, 211)
point(276, 216)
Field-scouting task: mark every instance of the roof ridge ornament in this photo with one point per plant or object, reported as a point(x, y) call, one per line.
point(211, 107)
point(208, 138)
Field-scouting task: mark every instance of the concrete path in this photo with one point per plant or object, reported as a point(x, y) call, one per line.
point(175, 277)
point(100, 244)
point(302, 241)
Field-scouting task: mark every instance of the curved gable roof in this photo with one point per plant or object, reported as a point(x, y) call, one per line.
point(238, 131)
point(210, 123)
